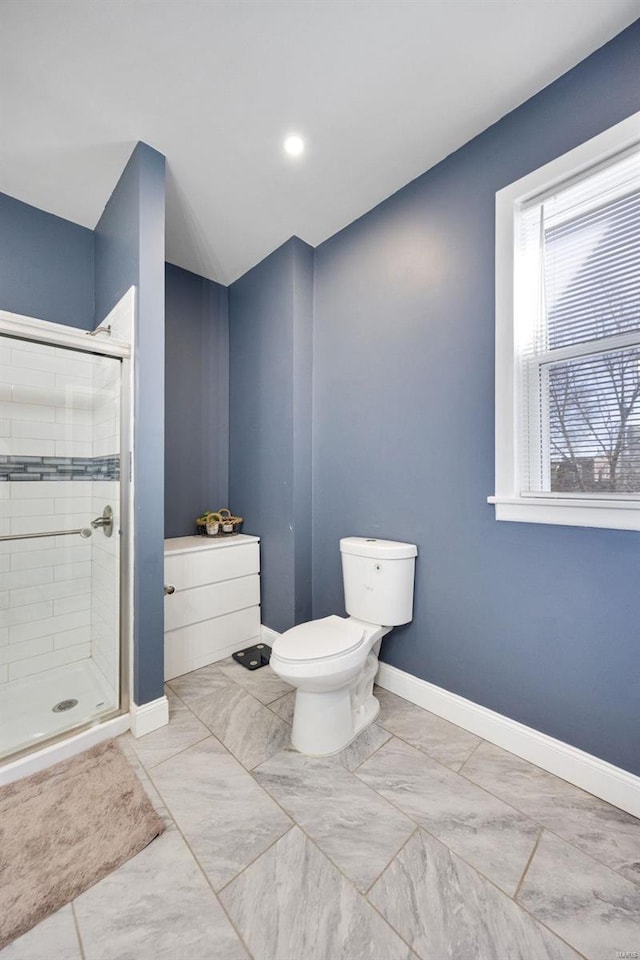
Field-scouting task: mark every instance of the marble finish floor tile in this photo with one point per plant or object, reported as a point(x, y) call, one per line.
point(444, 909)
point(192, 685)
point(226, 818)
point(125, 742)
point(586, 903)
point(264, 684)
point(601, 830)
point(251, 731)
point(351, 824)
point(360, 749)
point(183, 730)
point(444, 741)
point(53, 939)
point(293, 904)
point(488, 834)
point(284, 706)
point(158, 905)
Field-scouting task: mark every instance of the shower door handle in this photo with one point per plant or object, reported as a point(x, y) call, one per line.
point(104, 522)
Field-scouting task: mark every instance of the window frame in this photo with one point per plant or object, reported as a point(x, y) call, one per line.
point(590, 510)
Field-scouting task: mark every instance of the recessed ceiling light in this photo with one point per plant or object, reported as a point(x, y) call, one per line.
point(294, 145)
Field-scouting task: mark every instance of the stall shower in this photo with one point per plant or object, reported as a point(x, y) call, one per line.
point(61, 472)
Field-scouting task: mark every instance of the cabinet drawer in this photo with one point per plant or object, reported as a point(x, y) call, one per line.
point(189, 648)
point(212, 600)
point(210, 566)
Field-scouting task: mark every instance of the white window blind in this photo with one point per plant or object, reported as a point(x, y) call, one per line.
point(577, 335)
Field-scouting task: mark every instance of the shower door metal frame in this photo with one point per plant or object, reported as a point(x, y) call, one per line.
point(17, 327)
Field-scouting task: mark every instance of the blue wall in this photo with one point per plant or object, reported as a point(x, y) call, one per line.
point(270, 424)
point(196, 399)
point(129, 249)
point(46, 265)
point(302, 332)
point(541, 623)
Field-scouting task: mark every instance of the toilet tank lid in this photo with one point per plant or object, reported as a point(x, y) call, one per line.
point(378, 549)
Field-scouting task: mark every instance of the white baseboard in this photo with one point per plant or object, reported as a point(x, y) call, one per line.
point(149, 717)
point(267, 635)
point(610, 783)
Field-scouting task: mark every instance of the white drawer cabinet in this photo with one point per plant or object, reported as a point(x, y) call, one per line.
point(215, 607)
point(228, 559)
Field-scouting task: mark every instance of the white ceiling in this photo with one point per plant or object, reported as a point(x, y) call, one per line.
point(381, 90)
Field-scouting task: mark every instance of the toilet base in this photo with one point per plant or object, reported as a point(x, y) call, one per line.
point(322, 739)
point(325, 723)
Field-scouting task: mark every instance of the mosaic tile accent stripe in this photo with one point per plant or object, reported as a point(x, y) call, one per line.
point(60, 468)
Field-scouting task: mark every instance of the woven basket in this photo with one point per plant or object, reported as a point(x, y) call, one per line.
point(229, 521)
point(226, 520)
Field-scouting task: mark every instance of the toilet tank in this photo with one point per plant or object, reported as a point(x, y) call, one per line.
point(378, 580)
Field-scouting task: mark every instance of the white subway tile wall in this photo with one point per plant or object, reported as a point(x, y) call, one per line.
point(42, 389)
point(45, 584)
point(58, 410)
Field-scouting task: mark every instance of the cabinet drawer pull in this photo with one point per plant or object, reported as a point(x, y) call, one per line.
point(169, 589)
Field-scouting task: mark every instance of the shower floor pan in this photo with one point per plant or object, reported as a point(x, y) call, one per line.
point(28, 713)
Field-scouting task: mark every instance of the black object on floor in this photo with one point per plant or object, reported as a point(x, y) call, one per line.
point(253, 657)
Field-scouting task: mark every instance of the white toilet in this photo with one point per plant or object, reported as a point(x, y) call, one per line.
point(333, 662)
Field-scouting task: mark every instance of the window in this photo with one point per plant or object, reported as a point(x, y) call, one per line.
point(568, 338)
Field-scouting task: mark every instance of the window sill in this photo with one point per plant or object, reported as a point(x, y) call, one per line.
point(611, 514)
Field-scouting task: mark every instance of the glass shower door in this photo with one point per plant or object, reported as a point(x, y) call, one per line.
point(59, 540)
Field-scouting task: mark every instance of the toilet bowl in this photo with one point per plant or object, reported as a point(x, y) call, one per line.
point(332, 662)
point(325, 660)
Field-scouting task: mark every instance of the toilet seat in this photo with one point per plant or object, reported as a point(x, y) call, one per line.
point(319, 640)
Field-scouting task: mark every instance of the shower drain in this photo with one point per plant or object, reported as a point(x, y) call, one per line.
point(64, 705)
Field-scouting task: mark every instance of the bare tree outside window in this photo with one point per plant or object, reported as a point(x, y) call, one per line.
point(594, 398)
point(594, 413)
